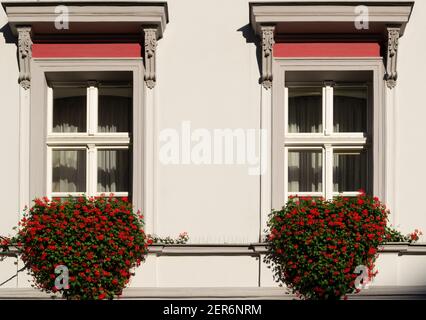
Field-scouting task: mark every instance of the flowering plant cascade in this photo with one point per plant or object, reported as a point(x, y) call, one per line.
point(181, 239)
point(99, 240)
point(317, 245)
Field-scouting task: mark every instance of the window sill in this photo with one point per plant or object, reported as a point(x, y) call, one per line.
point(251, 249)
point(256, 249)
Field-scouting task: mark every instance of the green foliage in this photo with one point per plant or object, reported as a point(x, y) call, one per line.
point(316, 245)
point(98, 239)
point(393, 235)
point(181, 239)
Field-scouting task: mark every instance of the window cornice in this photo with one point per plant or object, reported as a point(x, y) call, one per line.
point(284, 14)
point(89, 16)
point(28, 19)
point(386, 22)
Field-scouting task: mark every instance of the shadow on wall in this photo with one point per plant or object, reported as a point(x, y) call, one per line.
point(9, 38)
point(8, 35)
point(248, 33)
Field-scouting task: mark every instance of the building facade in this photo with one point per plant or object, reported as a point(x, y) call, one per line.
point(209, 114)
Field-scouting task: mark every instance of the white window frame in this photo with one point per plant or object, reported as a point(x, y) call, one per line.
point(273, 193)
point(325, 140)
point(144, 128)
point(91, 141)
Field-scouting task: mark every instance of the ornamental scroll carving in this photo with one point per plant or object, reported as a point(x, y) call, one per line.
point(267, 34)
point(24, 55)
point(150, 56)
point(392, 56)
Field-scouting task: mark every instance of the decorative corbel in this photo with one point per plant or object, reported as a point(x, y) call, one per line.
point(24, 54)
point(150, 56)
point(392, 56)
point(267, 34)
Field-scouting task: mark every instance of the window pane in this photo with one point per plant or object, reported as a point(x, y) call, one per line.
point(305, 109)
point(69, 170)
point(305, 171)
point(349, 171)
point(69, 109)
point(350, 109)
point(113, 170)
point(114, 111)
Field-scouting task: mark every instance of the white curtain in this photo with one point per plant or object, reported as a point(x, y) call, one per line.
point(69, 114)
point(69, 170)
point(305, 171)
point(305, 110)
point(349, 172)
point(113, 170)
point(349, 114)
point(114, 113)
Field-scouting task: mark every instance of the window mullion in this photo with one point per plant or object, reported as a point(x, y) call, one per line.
point(92, 105)
point(328, 106)
point(92, 120)
point(91, 170)
point(328, 171)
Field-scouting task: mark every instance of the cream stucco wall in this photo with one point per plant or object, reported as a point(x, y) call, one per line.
point(225, 68)
point(9, 113)
point(410, 133)
point(211, 79)
point(208, 74)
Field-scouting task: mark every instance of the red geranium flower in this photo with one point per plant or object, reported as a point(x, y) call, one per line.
point(72, 234)
point(338, 235)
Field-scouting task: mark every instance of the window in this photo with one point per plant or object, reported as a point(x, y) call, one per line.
point(327, 129)
point(296, 40)
point(88, 139)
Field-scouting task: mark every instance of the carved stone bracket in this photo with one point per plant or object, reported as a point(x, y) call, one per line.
point(151, 35)
point(267, 34)
point(24, 55)
point(392, 56)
